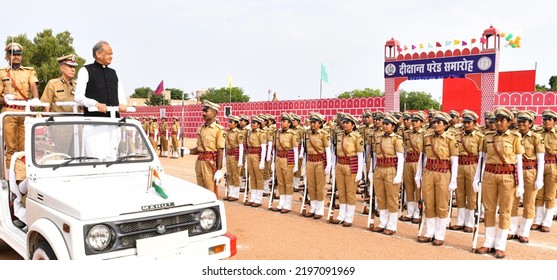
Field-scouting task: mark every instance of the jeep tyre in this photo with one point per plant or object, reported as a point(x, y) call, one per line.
point(43, 251)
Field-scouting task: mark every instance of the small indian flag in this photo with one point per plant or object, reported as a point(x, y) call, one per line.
point(156, 183)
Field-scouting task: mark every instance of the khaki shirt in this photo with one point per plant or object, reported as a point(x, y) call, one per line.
point(414, 140)
point(59, 90)
point(533, 144)
point(210, 138)
point(286, 140)
point(442, 146)
point(257, 138)
point(234, 138)
point(175, 128)
point(317, 141)
point(153, 126)
point(349, 145)
point(469, 143)
point(23, 78)
point(505, 146)
point(164, 129)
point(367, 133)
point(550, 139)
point(387, 146)
point(301, 132)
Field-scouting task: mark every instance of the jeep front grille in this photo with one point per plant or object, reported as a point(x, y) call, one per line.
point(130, 232)
point(127, 232)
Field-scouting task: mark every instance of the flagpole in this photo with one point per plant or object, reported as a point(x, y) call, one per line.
point(320, 87)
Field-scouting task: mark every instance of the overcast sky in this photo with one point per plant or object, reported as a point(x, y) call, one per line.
point(279, 45)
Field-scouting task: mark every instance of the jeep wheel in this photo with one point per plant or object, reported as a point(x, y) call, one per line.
point(43, 251)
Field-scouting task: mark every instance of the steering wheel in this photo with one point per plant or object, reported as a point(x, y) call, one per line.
point(66, 156)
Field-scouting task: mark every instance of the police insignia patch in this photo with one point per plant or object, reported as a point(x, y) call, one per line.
point(224, 135)
point(241, 137)
point(543, 141)
point(522, 142)
point(361, 142)
point(456, 144)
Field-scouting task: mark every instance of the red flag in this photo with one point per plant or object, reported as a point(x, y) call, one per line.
point(437, 44)
point(160, 88)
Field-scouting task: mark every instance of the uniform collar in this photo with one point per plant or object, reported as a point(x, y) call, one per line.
point(528, 133)
point(212, 125)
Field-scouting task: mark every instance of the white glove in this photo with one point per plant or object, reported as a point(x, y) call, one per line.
point(329, 165)
point(358, 177)
point(8, 97)
point(541, 165)
point(263, 153)
point(295, 169)
point(218, 176)
point(476, 182)
point(452, 186)
point(361, 166)
point(240, 163)
point(34, 101)
point(520, 190)
point(269, 150)
point(454, 171)
point(520, 175)
point(399, 169)
point(186, 151)
point(418, 180)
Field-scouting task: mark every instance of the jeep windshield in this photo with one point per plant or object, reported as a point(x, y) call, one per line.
point(66, 144)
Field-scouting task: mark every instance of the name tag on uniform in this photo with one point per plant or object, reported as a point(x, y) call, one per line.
point(60, 90)
point(489, 142)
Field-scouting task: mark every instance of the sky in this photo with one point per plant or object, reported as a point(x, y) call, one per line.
point(279, 45)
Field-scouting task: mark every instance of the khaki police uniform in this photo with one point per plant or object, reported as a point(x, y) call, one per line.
point(210, 138)
point(255, 140)
point(17, 82)
point(175, 134)
point(59, 90)
point(469, 147)
point(545, 199)
point(533, 145)
point(348, 146)
point(385, 150)
point(153, 133)
point(164, 137)
point(436, 178)
point(286, 142)
point(316, 144)
point(298, 174)
point(414, 140)
point(234, 138)
point(499, 183)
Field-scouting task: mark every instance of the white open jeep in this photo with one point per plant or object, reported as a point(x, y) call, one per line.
point(93, 194)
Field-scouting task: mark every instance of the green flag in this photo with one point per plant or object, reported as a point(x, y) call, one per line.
point(324, 76)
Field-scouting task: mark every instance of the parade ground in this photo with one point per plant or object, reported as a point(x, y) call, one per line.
point(266, 235)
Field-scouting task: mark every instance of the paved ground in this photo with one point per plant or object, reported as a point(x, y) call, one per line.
point(266, 235)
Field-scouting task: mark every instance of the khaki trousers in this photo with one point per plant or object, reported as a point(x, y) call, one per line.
point(316, 180)
point(465, 194)
point(345, 184)
point(435, 192)
point(386, 192)
point(498, 188)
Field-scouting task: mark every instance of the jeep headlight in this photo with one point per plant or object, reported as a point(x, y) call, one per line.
point(99, 237)
point(208, 219)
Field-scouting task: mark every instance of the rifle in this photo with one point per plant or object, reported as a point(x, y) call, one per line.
point(421, 205)
point(333, 185)
point(246, 175)
point(371, 213)
point(450, 208)
point(273, 167)
point(305, 192)
point(477, 214)
point(402, 199)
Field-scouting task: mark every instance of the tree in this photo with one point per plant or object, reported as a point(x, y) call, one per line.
point(541, 88)
point(41, 53)
point(225, 94)
point(553, 83)
point(157, 100)
point(417, 100)
point(176, 94)
point(367, 92)
point(142, 92)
